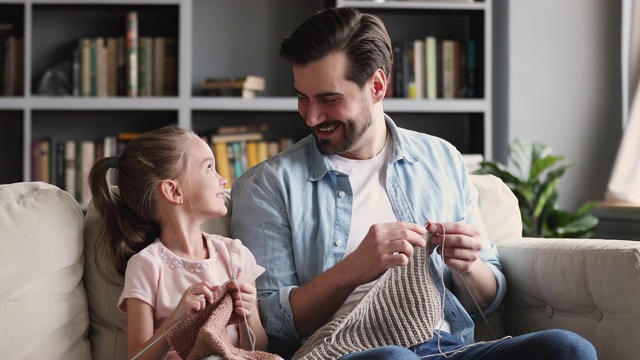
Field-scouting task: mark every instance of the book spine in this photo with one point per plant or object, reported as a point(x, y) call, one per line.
point(75, 68)
point(170, 67)
point(112, 66)
point(132, 53)
point(60, 164)
point(85, 67)
point(419, 67)
point(222, 162)
point(158, 66)
point(70, 167)
point(93, 67)
point(448, 69)
point(432, 67)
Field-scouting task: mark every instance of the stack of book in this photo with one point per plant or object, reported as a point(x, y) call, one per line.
point(238, 148)
point(66, 163)
point(245, 87)
point(130, 65)
point(433, 68)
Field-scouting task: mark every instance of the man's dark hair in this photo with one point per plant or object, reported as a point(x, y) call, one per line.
point(362, 37)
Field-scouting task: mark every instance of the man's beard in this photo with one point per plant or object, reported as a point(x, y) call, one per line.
point(353, 132)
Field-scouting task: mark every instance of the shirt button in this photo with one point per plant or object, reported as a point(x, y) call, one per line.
point(341, 194)
point(338, 242)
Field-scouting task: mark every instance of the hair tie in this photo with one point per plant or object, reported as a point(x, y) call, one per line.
point(114, 162)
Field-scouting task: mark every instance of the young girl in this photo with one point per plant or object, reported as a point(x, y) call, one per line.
point(168, 187)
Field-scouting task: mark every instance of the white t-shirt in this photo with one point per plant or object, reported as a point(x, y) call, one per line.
point(371, 205)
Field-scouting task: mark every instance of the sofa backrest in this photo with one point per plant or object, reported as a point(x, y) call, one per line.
point(498, 207)
point(43, 308)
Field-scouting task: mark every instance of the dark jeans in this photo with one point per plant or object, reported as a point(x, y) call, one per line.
point(546, 345)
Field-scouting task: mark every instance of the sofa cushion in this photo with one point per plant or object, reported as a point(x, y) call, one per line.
point(108, 325)
point(499, 208)
point(43, 307)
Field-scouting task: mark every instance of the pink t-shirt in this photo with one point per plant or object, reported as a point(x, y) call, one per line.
point(158, 277)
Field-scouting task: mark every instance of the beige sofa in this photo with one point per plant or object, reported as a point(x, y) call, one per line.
point(53, 304)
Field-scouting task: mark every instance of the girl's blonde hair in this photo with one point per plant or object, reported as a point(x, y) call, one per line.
point(129, 215)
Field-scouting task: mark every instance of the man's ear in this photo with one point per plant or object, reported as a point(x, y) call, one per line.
point(379, 85)
point(170, 190)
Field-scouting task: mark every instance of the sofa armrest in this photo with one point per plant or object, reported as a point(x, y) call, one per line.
point(588, 286)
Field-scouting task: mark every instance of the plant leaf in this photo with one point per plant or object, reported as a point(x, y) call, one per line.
point(540, 165)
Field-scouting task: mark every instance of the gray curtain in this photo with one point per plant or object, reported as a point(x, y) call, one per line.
point(624, 183)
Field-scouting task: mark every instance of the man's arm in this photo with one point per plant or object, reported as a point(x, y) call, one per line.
point(385, 246)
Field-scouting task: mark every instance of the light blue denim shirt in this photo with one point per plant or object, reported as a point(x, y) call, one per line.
point(294, 211)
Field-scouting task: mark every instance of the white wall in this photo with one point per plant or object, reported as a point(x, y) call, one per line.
point(558, 82)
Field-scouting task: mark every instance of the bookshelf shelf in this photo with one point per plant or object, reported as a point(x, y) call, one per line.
point(235, 104)
point(104, 104)
point(219, 38)
point(415, 5)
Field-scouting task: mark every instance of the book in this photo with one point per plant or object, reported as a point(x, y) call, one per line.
point(222, 162)
point(75, 71)
point(102, 86)
point(419, 68)
point(145, 66)
point(170, 67)
point(408, 69)
point(235, 129)
point(431, 67)
point(448, 69)
point(158, 66)
point(93, 66)
point(263, 151)
point(249, 82)
point(41, 160)
point(86, 159)
point(252, 154)
point(70, 167)
point(121, 67)
point(132, 53)
point(85, 66)
point(112, 66)
point(229, 138)
point(241, 93)
point(398, 73)
point(59, 165)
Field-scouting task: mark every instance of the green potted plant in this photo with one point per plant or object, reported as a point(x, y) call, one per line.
point(533, 179)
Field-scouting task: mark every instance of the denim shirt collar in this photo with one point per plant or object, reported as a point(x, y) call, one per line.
point(320, 165)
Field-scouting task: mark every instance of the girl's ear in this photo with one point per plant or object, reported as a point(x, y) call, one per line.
point(170, 190)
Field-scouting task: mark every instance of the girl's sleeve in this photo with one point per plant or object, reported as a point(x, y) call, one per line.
point(248, 269)
point(140, 281)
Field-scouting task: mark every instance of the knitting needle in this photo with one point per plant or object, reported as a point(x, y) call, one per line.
point(246, 323)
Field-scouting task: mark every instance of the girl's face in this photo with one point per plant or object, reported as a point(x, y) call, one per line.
point(204, 187)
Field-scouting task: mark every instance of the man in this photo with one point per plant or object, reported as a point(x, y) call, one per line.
point(339, 209)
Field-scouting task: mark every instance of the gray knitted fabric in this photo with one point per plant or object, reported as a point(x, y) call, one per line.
point(402, 309)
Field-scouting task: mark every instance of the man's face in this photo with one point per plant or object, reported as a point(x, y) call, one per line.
point(337, 110)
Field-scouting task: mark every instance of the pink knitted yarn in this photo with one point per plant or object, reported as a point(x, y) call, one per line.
point(204, 333)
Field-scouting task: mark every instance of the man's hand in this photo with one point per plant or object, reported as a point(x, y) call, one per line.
point(460, 242)
point(385, 246)
point(460, 246)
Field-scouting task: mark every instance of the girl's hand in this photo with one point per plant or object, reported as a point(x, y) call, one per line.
point(244, 298)
point(195, 298)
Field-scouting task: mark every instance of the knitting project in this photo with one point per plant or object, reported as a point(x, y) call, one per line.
point(402, 309)
point(204, 333)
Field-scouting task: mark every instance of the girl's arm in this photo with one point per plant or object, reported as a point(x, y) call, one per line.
point(140, 322)
point(140, 331)
point(246, 303)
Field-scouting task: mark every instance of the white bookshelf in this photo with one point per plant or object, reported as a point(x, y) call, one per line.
point(216, 38)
